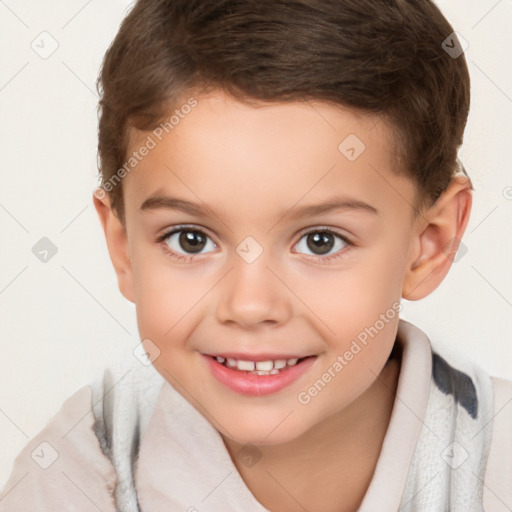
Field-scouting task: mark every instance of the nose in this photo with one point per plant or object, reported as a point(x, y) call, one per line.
point(251, 295)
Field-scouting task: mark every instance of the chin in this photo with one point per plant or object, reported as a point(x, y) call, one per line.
point(264, 433)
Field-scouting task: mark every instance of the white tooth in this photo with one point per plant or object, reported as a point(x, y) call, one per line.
point(279, 363)
point(291, 362)
point(220, 359)
point(264, 365)
point(245, 365)
point(261, 372)
point(231, 362)
point(273, 371)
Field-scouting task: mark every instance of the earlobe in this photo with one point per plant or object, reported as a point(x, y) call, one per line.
point(437, 239)
point(117, 243)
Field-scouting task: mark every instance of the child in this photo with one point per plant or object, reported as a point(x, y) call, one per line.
point(276, 176)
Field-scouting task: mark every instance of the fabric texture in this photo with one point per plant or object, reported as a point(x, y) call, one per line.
point(130, 442)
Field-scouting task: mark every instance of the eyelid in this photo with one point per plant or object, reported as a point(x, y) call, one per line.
point(167, 232)
point(321, 259)
point(326, 259)
point(178, 256)
point(317, 229)
point(194, 227)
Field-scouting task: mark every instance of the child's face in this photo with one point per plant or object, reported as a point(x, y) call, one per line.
point(258, 170)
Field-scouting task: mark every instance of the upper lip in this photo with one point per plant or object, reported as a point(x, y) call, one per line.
point(259, 357)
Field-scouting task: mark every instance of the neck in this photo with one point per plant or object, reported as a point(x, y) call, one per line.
point(330, 466)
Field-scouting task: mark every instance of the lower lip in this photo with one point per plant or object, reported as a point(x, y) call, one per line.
point(257, 385)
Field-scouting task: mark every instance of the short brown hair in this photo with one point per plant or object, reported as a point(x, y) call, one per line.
point(381, 56)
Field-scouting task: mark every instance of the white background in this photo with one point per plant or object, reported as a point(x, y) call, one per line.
point(62, 321)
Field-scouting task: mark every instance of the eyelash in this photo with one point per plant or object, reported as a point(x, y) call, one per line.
point(182, 258)
point(342, 253)
point(187, 258)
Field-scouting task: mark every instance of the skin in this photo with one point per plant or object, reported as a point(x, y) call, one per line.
point(254, 167)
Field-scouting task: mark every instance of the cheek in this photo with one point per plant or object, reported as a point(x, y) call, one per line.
point(346, 302)
point(376, 280)
point(165, 296)
point(357, 313)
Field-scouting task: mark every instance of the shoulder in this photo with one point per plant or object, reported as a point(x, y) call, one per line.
point(63, 463)
point(458, 433)
point(498, 474)
point(123, 399)
point(123, 402)
point(486, 401)
point(470, 386)
point(85, 452)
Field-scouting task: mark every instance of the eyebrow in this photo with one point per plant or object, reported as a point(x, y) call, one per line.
point(333, 204)
point(159, 202)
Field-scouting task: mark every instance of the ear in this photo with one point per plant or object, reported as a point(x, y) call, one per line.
point(117, 242)
point(437, 237)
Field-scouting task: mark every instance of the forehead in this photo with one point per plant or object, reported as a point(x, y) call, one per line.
point(272, 153)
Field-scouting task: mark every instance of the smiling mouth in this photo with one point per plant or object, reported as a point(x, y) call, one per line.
point(269, 367)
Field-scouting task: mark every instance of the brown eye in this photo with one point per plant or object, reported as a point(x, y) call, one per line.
point(321, 242)
point(192, 241)
point(188, 241)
